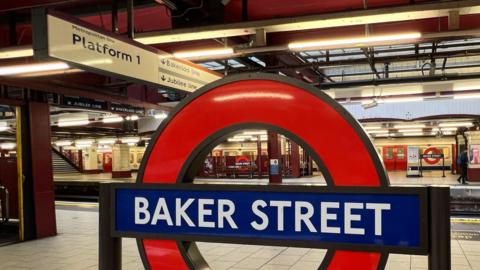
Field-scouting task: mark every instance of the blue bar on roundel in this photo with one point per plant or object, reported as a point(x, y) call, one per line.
point(392, 220)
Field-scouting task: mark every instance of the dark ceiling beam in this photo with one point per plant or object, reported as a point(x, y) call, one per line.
point(318, 21)
point(369, 53)
point(291, 59)
point(248, 62)
point(384, 81)
point(402, 71)
point(364, 61)
point(44, 85)
point(317, 71)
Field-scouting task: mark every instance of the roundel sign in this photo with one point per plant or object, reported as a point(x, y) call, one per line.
point(357, 217)
point(432, 155)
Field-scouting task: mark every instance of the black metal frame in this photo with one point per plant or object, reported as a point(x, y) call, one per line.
point(422, 156)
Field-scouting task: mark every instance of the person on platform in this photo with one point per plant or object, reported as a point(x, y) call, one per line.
point(464, 166)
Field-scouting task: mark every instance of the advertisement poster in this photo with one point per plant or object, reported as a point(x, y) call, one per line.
point(412, 152)
point(474, 156)
point(413, 161)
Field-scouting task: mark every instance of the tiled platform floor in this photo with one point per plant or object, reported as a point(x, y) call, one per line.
point(75, 247)
point(396, 178)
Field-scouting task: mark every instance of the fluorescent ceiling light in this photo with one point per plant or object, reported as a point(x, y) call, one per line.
point(20, 69)
point(236, 140)
point(246, 137)
point(72, 122)
point(466, 96)
point(456, 124)
point(63, 143)
point(409, 126)
point(17, 52)
point(382, 135)
point(203, 53)
point(4, 126)
point(260, 132)
point(409, 130)
point(378, 131)
point(130, 139)
point(107, 141)
point(351, 42)
point(112, 119)
point(413, 134)
point(160, 116)
point(132, 118)
point(8, 146)
point(85, 142)
point(448, 129)
point(372, 127)
point(394, 100)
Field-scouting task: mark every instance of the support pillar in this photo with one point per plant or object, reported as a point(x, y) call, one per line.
point(259, 157)
point(38, 188)
point(274, 155)
point(121, 161)
point(295, 159)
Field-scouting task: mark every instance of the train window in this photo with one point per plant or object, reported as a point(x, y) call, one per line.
point(400, 153)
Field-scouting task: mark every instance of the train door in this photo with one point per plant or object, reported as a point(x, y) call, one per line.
point(395, 157)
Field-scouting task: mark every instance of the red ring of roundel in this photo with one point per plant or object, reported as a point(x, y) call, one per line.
point(288, 104)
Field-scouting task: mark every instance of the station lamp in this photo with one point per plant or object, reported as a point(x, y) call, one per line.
point(84, 143)
point(413, 134)
point(4, 126)
point(112, 119)
point(130, 140)
point(160, 115)
point(466, 96)
point(63, 143)
point(259, 132)
point(8, 146)
point(72, 122)
point(378, 131)
point(402, 99)
point(8, 53)
point(406, 126)
point(203, 53)
point(30, 68)
point(456, 124)
point(132, 118)
point(352, 42)
point(107, 141)
point(409, 130)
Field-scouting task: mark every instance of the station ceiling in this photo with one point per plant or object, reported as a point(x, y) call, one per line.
point(260, 34)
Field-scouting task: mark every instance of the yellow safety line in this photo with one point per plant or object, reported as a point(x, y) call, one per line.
point(466, 220)
point(21, 227)
point(83, 205)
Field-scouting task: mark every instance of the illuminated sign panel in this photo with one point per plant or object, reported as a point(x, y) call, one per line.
point(89, 47)
point(311, 216)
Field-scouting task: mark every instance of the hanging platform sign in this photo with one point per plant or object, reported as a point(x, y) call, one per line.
point(59, 36)
point(357, 217)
